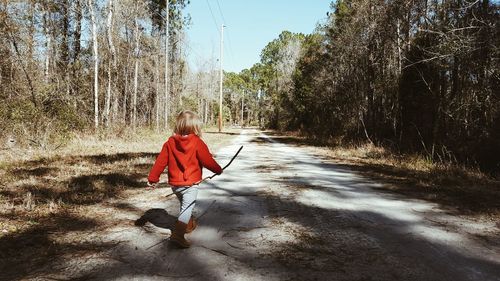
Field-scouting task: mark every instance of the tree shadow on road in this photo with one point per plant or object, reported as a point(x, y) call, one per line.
point(460, 193)
point(360, 244)
point(50, 198)
point(328, 244)
point(468, 197)
point(33, 249)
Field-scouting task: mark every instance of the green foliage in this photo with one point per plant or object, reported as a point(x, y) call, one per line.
point(418, 76)
point(53, 122)
point(158, 14)
point(277, 66)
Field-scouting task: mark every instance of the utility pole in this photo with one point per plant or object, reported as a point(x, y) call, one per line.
point(242, 108)
point(221, 76)
point(167, 30)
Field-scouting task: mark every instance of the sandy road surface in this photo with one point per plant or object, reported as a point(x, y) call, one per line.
point(278, 213)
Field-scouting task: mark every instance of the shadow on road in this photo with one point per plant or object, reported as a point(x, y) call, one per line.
point(60, 188)
point(359, 240)
point(158, 217)
point(460, 193)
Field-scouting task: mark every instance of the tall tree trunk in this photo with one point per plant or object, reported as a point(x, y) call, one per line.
point(78, 30)
point(157, 90)
point(32, 31)
point(64, 6)
point(111, 63)
point(398, 36)
point(48, 44)
point(136, 74)
point(167, 30)
point(206, 111)
point(125, 90)
point(77, 33)
point(65, 63)
point(125, 106)
point(242, 108)
point(96, 62)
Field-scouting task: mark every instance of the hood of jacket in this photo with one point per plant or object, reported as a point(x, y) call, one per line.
point(184, 149)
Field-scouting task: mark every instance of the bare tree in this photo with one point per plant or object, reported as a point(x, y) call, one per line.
point(137, 36)
point(111, 62)
point(167, 43)
point(95, 49)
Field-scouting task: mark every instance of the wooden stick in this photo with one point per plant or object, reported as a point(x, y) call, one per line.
point(212, 176)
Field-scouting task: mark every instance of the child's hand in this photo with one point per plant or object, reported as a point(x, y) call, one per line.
point(152, 184)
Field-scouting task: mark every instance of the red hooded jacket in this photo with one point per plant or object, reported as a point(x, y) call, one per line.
point(185, 157)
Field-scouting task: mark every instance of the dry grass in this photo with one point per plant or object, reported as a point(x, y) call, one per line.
point(436, 173)
point(38, 186)
point(54, 203)
point(429, 173)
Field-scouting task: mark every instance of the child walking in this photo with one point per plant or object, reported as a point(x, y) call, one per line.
point(185, 154)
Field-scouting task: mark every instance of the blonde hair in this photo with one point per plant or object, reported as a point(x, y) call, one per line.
point(187, 123)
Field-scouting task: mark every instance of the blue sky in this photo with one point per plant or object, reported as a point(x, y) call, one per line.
point(251, 24)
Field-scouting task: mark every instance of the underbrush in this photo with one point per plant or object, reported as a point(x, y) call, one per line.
point(436, 173)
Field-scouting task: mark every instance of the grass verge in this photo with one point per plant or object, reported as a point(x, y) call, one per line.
point(460, 189)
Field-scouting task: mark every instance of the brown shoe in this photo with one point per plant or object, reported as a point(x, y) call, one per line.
point(177, 236)
point(191, 225)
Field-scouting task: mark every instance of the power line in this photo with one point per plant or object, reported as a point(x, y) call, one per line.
point(194, 51)
point(227, 33)
point(220, 11)
point(213, 17)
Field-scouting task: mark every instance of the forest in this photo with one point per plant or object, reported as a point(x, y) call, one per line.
point(412, 76)
point(351, 140)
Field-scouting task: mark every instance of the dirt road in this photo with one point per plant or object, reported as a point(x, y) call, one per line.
point(279, 213)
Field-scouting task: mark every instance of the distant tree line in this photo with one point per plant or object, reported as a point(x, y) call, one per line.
point(416, 76)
